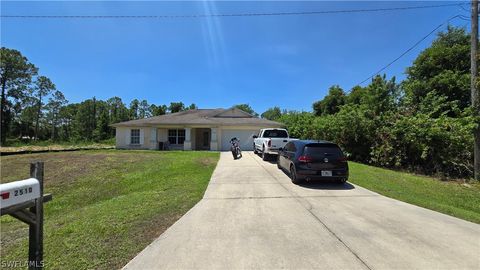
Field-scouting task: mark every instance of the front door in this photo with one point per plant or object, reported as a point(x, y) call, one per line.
point(202, 138)
point(206, 139)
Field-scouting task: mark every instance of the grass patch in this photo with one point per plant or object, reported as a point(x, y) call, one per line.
point(44, 146)
point(108, 205)
point(20, 143)
point(448, 197)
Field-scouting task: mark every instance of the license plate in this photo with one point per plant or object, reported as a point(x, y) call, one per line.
point(326, 173)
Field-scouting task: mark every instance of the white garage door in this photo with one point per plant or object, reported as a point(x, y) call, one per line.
point(245, 137)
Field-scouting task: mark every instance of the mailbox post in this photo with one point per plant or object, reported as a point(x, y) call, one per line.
point(24, 200)
point(35, 232)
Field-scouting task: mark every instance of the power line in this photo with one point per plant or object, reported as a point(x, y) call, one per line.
point(225, 15)
point(465, 18)
point(409, 49)
point(464, 9)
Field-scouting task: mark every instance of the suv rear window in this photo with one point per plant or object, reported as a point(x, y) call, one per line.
point(322, 150)
point(275, 134)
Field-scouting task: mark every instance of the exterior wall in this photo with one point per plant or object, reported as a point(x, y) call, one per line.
point(162, 134)
point(187, 144)
point(192, 138)
point(122, 138)
point(148, 140)
point(152, 142)
point(216, 139)
point(120, 134)
point(150, 136)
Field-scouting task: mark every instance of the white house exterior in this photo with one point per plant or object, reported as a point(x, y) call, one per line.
point(200, 129)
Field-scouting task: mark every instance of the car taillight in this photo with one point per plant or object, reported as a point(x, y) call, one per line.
point(269, 143)
point(305, 159)
point(342, 159)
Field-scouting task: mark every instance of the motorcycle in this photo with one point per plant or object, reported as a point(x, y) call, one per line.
point(235, 148)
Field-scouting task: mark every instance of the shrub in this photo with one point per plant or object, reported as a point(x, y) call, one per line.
point(441, 145)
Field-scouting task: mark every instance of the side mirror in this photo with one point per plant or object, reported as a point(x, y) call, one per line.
point(255, 136)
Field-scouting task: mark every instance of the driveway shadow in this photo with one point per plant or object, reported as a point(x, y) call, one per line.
point(271, 160)
point(323, 184)
point(326, 185)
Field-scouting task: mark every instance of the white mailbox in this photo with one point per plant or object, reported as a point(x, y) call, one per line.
point(19, 192)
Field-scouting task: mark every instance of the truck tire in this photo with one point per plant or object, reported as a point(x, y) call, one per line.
point(264, 155)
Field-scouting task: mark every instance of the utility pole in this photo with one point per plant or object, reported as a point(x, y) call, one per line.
point(474, 89)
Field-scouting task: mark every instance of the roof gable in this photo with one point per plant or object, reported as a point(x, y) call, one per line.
point(203, 117)
point(233, 113)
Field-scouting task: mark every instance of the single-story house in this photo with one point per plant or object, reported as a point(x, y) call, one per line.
point(199, 129)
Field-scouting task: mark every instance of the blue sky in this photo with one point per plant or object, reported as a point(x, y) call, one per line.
point(286, 61)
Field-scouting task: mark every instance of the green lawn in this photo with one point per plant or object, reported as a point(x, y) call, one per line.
point(449, 197)
point(107, 205)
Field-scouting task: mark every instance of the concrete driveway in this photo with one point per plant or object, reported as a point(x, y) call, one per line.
point(252, 216)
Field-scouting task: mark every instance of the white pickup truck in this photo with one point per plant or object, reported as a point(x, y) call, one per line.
point(269, 141)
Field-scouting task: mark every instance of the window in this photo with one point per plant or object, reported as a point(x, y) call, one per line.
point(275, 133)
point(176, 136)
point(287, 146)
point(172, 136)
point(290, 147)
point(181, 136)
point(135, 136)
point(322, 150)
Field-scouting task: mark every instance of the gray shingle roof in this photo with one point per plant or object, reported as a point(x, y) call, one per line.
point(212, 117)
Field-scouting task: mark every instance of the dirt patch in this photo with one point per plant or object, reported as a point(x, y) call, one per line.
point(207, 161)
point(62, 168)
point(53, 148)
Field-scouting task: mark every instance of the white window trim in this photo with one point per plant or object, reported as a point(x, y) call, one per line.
point(139, 136)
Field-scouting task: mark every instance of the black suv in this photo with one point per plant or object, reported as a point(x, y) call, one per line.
point(311, 160)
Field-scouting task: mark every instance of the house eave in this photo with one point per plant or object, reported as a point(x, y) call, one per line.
point(193, 125)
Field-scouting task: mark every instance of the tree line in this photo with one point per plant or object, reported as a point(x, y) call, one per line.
point(32, 108)
point(424, 123)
